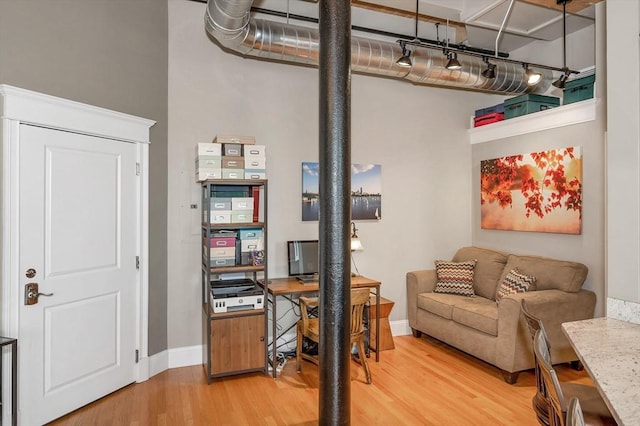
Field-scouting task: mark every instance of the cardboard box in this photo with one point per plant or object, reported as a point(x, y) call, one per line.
point(232, 162)
point(244, 140)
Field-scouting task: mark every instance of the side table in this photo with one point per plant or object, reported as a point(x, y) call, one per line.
point(386, 339)
point(5, 341)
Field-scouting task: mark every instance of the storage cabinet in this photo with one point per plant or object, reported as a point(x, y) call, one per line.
point(237, 344)
point(234, 258)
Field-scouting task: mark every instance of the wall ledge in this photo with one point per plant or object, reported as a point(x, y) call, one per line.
point(564, 115)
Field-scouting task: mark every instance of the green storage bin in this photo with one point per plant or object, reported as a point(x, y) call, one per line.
point(528, 103)
point(579, 89)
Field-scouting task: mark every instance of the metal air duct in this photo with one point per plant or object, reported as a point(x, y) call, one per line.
point(230, 23)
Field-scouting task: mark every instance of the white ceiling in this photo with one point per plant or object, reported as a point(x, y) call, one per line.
point(482, 18)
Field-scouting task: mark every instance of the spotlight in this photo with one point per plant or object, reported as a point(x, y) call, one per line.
point(562, 81)
point(532, 77)
point(405, 59)
point(490, 71)
point(452, 63)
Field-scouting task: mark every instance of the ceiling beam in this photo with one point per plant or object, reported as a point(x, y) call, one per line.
point(573, 6)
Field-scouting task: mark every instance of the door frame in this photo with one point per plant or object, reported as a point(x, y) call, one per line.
point(20, 106)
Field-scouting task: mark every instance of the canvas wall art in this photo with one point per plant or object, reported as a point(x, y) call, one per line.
point(539, 192)
point(366, 191)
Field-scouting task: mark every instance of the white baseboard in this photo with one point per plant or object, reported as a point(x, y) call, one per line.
point(158, 363)
point(175, 358)
point(400, 328)
point(192, 355)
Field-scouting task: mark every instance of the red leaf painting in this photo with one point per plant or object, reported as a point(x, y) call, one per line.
point(540, 191)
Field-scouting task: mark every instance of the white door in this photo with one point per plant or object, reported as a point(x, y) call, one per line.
point(78, 232)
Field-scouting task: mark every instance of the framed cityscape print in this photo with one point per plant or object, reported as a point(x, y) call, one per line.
point(366, 191)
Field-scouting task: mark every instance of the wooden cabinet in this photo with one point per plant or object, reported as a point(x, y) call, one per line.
point(237, 344)
point(234, 258)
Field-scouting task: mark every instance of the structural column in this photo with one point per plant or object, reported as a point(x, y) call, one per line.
point(335, 211)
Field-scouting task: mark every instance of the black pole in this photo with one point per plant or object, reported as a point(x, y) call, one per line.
point(335, 212)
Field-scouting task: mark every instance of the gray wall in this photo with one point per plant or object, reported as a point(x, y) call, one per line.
point(112, 54)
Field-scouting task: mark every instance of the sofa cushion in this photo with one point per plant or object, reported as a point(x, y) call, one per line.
point(439, 304)
point(455, 277)
point(550, 273)
point(515, 282)
point(488, 270)
point(478, 313)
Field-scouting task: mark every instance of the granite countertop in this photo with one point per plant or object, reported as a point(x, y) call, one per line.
point(610, 351)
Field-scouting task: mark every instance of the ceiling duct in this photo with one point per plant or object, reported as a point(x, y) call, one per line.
point(230, 23)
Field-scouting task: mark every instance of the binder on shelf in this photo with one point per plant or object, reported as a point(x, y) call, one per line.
point(256, 203)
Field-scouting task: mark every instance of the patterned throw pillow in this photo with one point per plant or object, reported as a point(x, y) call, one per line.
point(515, 282)
point(455, 277)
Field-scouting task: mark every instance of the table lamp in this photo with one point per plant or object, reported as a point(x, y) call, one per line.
point(356, 245)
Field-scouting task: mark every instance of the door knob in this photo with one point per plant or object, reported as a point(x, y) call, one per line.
point(31, 294)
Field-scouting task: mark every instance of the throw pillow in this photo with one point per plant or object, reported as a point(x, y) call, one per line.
point(455, 277)
point(515, 282)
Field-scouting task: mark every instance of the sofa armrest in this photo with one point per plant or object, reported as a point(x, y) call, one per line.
point(553, 307)
point(423, 281)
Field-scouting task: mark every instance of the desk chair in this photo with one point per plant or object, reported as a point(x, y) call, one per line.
point(593, 407)
point(310, 328)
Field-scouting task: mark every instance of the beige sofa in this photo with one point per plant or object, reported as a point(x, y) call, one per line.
point(496, 332)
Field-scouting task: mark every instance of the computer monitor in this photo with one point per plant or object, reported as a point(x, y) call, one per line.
point(303, 257)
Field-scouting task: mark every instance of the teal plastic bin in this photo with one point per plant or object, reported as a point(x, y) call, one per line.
point(579, 89)
point(528, 103)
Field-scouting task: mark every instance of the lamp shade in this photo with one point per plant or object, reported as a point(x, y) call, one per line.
point(356, 244)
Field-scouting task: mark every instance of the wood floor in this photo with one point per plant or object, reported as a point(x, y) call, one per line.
point(421, 382)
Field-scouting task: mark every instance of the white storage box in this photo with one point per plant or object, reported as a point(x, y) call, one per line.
point(242, 203)
point(242, 216)
point(250, 245)
point(255, 163)
point(222, 252)
point(255, 151)
point(255, 174)
point(206, 174)
point(208, 162)
point(232, 173)
point(209, 149)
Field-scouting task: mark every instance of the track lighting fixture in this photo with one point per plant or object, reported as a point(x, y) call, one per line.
point(405, 59)
point(490, 71)
point(452, 61)
point(560, 82)
point(532, 77)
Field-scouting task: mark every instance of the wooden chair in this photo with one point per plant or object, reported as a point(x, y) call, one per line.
point(594, 410)
point(574, 413)
point(539, 402)
point(310, 328)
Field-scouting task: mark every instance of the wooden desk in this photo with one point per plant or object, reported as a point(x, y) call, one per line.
point(610, 351)
point(291, 286)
